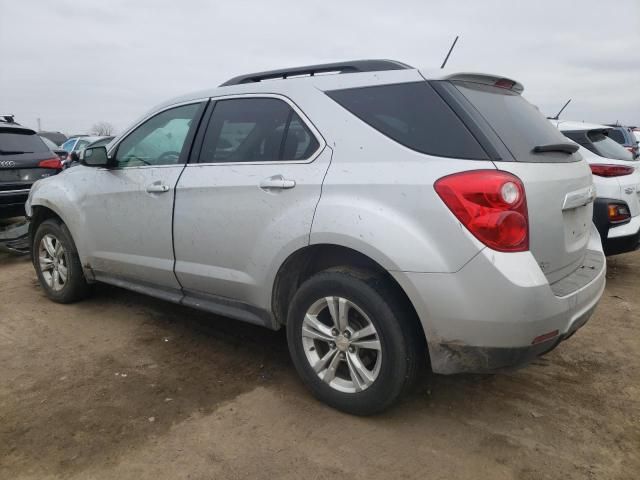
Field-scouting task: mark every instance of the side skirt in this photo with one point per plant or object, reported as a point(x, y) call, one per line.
point(222, 306)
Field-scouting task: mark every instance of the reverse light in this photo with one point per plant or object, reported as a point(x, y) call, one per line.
point(491, 204)
point(605, 170)
point(53, 163)
point(618, 212)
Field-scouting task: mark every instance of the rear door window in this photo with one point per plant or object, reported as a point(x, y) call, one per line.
point(520, 126)
point(256, 130)
point(414, 115)
point(16, 141)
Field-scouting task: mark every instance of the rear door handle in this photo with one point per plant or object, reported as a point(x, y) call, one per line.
point(157, 188)
point(277, 181)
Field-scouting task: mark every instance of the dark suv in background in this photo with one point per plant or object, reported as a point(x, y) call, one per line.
point(24, 158)
point(625, 137)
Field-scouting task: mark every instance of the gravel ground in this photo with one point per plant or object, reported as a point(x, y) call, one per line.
point(124, 386)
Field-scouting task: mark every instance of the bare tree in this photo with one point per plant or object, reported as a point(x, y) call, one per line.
point(102, 129)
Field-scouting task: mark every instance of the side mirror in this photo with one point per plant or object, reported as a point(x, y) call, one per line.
point(73, 157)
point(95, 157)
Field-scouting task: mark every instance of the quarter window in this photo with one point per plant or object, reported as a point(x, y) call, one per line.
point(158, 141)
point(414, 115)
point(256, 130)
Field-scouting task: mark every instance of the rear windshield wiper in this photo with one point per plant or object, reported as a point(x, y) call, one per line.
point(12, 152)
point(557, 147)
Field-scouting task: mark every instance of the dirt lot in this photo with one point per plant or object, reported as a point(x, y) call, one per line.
point(123, 386)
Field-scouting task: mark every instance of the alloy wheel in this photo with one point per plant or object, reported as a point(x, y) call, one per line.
point(341, 344)
point(52, 260)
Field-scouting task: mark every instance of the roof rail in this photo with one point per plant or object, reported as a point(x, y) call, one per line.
point(355, 66)
point(8, 118)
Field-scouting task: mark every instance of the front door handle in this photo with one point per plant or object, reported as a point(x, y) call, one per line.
point(157, 188)
point(277, 181)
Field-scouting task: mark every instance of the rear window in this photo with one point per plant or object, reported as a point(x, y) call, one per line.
point(520, 125)
point(607, 147)
point(414, 115)
point(16, 141)
point(618, 136)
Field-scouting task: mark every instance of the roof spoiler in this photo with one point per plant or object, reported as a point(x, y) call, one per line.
point(355, 66)
point(493, 80)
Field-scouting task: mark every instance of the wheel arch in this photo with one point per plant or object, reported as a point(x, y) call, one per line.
point(40, 213)
point(305, 262)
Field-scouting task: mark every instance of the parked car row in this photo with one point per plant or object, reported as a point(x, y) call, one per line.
point(387, 218)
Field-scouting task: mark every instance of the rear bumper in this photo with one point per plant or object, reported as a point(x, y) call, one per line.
point(486, 316)
point(12, 202)
point(616, 238)
point(15, 236)
point(624, 238)
point(469, 359)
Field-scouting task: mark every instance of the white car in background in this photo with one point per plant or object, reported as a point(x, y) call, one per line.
point(616, 210)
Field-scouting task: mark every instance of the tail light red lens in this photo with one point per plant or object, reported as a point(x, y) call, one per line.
point(491, 204)
point(604, 170)
point(618, 212)
point(53, 163)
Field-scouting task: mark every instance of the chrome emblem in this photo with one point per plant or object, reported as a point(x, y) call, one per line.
point(629, 190)
point(7, 164)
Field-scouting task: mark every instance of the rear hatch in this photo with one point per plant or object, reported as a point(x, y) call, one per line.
point(519, 139)
point(21, 152)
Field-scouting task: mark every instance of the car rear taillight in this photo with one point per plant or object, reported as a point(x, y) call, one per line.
point(605, 170)
point(53, 163)
point(618, 212)
point(491, 204)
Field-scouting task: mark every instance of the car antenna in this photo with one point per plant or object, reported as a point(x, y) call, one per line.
point(449, 53)
point(559, 112)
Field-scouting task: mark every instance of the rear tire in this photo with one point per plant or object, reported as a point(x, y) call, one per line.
point(57, 264)
point(353, 341)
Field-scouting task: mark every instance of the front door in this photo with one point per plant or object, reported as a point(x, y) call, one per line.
point(129, 207)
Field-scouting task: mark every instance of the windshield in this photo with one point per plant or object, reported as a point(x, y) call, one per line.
point(68, 145)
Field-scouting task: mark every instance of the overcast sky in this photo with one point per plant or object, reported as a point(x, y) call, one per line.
point(74, 63)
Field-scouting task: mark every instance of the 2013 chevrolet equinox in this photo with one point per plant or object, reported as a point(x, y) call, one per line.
point(382, 214)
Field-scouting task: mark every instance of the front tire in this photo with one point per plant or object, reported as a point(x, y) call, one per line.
point(353, 341)
point(57, 264)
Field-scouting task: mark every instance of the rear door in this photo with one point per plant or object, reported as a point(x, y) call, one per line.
point(250, 198)
point(558, 184)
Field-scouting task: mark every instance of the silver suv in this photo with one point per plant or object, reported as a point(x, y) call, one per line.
point(383, 215)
